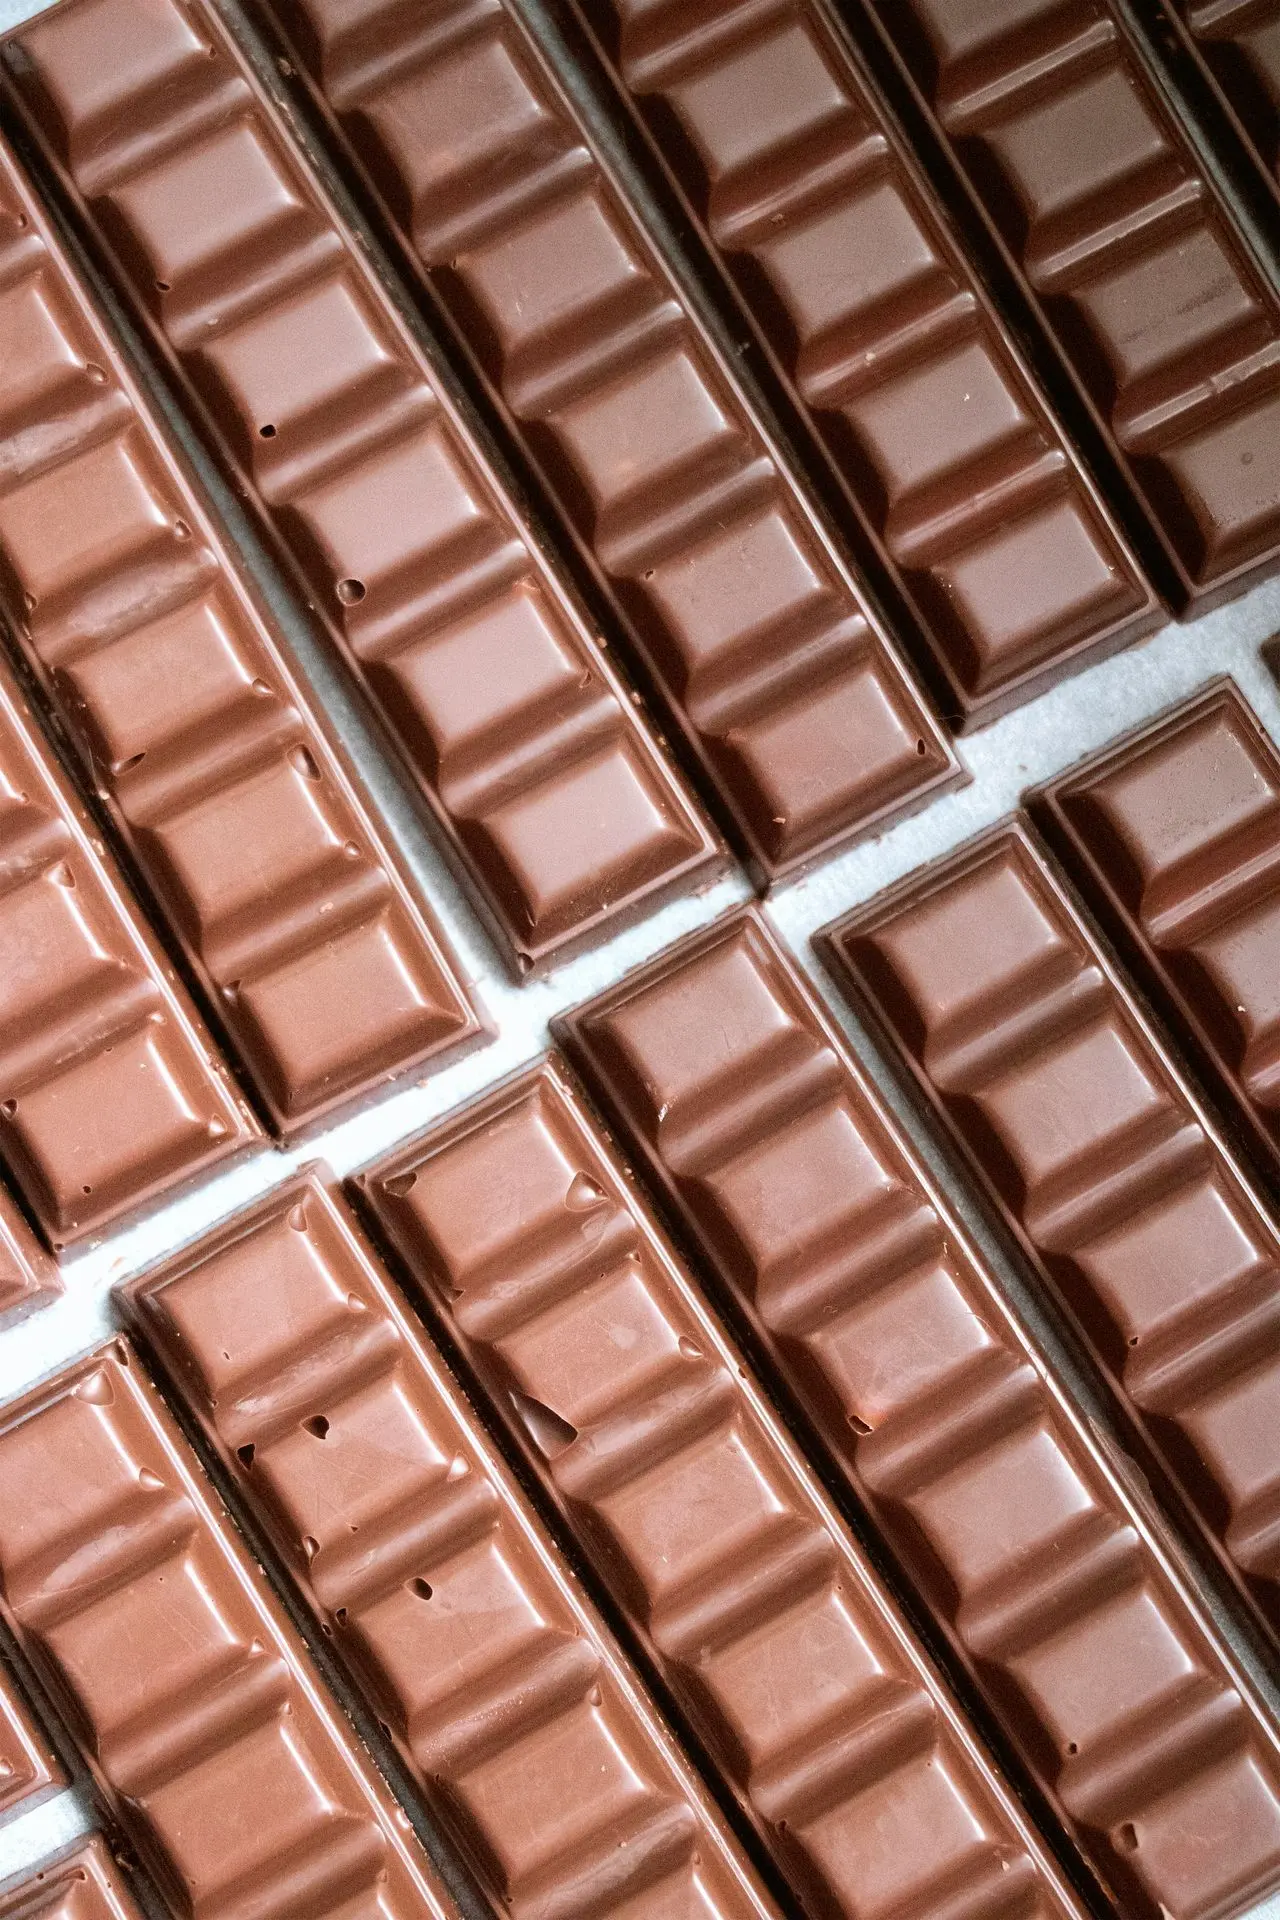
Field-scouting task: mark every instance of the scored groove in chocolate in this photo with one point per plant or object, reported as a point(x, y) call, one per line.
point(1173, 835)
point(1129, 254)
point(244, 1791)
point(84, 1885)
point(393, 519)
point(28, 1769)
point(767, 1143)
point(771, 665)
point(223, 781)
point(1032, 1049)
point(884, 338)
point(503, 1691)
point(28, 1277)
point(110, 1087)
point(768, 1624)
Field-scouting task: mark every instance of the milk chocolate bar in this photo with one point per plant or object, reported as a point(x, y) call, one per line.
point(884, 338)
point(318, 954)
point(28, 1277)
point(110, 1087)
point(1173, 835)
point(782, 1647)
point(1102, 1162)
point(84, 1885)
point(770, 665)
point(208, 1735)
point(1128, 252)
point(504, 1693)
point(333, 419)
point(821, 1233)
point(28, 1770)
point(1236, 48)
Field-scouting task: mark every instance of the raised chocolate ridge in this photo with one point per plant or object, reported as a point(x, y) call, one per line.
point(1100, 1159)
point(779, 1642)
point(110, 1088)
point(1129, 254)
point(771, 666)
point(219, 1753)
point(28, 1277)
point(1053, 1585)
point(227, 786)
point(382, 500)
point(883, 337)
point(414, 1548)
point(1173, 835)
point(83, 1885)
point(28, 1770)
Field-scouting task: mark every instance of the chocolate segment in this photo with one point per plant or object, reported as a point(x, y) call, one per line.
point(1129, 254)
point(410, 1542)
point(1030, 1046)
point(85, 1885)
point(770, 1627)
point(884, 338)
point(207, 1733)
point(1236, 44)
point(28, 1278)
point(323, 961)
point(396, 524)
point(770, 664)
point(28, 1770)
point(748, 1114)
point(110, 1090)
point(1174, 837)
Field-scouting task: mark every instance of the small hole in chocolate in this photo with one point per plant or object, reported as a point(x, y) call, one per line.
point(689, 1348)
point(351, 592)
point(9, 1108)
point(1128, 1837)
point(421, 1588)
point(310, 1545)
point(268, 432)
point(298, 1219)
point(400, 1184)
point(340, 1615)
point(163, 286)
point(245, 1454)
point(317, 1425)
point(859, 1426)
point(97, 374)
point(1072, 1747)
point(305, 762)
point(181, 531)
point(921, 749)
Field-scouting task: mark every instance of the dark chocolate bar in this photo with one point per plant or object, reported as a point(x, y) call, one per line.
point(28, 1770)
point(1236, 47)
point(323, 961)
point(110, 1087)
point(1100, 1159)
point(884, 338)
point(413, 1546)
point(823, 1233)
point(769, 1626)
point(28, 1277)
point(202, 1721)
point(396, 524)
point(1128, 251)
point(1173, 835)
point(84, 1885)
point(772, 668)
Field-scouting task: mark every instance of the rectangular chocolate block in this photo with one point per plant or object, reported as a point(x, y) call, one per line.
point(770, 665)
point(1100, 1159)
point(395, 522)
point(780, 1643)
point(29, 1772)
point(1236, 47)
point(28, 1277)
point(821, 1232)
point(884, 338)
point(1173, 836)
point(412, 1545)
point(110, 1087)
point(316, 950)
point(208, 1735)
point(1128, 252)
point(84, 1885)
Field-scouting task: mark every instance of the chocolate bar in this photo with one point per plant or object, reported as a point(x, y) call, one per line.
point(770, 665)
point(28, 1770)
point(1101, 1161)
point(824, 1236)
point(208, 1735)
point(1127, 250)
point(225, 783)
point(1173, 835)
point(110, 1088)
point(396, 523)
point(884, 339)
point(28, 1277)
point(782, 1647)
point(84, 1885)
point(410, 1542)
point(1236, 47)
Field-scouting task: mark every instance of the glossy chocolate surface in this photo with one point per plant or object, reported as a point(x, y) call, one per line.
point(28, 1277)
point(110, 1087)
point(747, 1113)
point(1129, 253)
point(84, 1885)
point(208, 1735)
point(1174, 837)
point(885, 338)
point(398, 528)
point(1034, 1051)
point(320, 956)
point(28, 1770)
point(770, 663)
point(504, 1692)
point(774, 1634)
